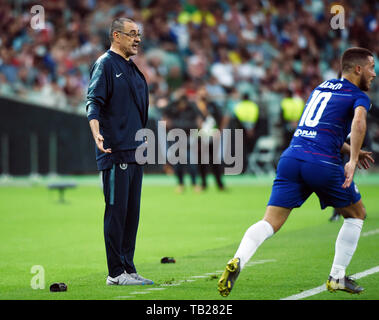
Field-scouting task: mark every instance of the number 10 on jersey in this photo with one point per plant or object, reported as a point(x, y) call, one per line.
point(318, 101)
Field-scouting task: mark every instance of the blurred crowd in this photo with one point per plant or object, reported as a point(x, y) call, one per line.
point(260, 50)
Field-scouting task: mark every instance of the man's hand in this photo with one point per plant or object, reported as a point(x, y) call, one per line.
point(99, 139)
point(349, 173)
point(99, 142)
point(363, 162)
point(365, 157)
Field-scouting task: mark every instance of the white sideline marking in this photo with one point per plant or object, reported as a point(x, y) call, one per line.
point(322, 288)
point(208, 274)
point(314, 291)
point(164, 286)
point(252, 263)
point(370, 233)
point(171, 284)
point(306, 294)
point(140, 292)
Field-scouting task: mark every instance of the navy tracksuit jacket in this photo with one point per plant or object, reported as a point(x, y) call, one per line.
point(118, 98)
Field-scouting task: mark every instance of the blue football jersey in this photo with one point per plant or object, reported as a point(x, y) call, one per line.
point(326, 122)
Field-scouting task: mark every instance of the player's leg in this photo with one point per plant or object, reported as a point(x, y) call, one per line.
point(327, 184)
point(214, 163)
point(255, 235)
point(335, 216)
point(345, 247)
point(287, 193)
point(202, 166)
point(272, 221)
point(192, 170)
point(179, 172)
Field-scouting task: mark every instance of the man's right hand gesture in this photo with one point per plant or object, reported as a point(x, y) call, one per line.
point(99, 139)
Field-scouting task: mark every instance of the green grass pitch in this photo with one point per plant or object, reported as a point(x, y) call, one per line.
point(201, 231)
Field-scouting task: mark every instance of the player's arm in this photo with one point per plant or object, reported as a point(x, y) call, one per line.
point(365, 157)
point(358, 132)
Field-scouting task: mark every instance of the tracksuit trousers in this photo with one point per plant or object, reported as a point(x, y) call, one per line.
point(122, 192)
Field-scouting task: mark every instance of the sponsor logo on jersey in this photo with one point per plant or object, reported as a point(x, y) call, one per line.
point(305, 133)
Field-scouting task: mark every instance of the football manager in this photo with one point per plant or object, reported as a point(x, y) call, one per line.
point(117, 107)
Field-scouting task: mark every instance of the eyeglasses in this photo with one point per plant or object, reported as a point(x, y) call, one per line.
point(132, 35)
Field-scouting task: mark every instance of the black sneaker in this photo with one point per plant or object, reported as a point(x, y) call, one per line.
point(345, 284)
point(226, 282)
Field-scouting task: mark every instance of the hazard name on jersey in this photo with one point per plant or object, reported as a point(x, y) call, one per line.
point(329, 85)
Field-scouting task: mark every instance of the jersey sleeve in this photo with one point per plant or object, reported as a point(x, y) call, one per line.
point(98, 89)
point(363, 101)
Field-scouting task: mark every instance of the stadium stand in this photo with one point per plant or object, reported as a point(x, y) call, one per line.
point(260, 47)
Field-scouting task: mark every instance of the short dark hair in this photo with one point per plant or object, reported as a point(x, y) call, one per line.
point(353, 56)
point(118, 25)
